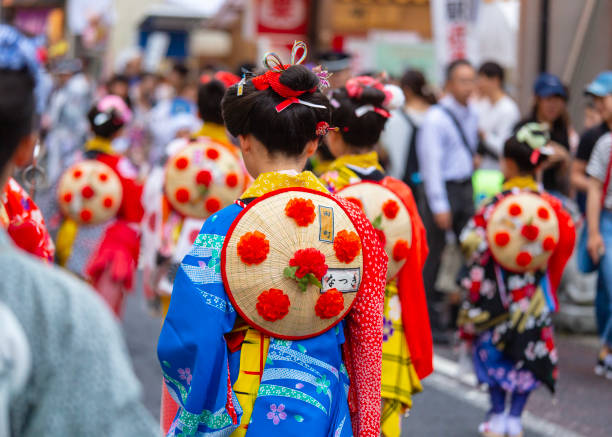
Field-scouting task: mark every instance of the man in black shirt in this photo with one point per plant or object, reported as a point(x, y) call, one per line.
point(601, 91)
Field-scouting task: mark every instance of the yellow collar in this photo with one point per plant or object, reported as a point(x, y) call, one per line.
point(365, 160)
point(522, 182)
point(212, 130)
point(99, 144)
point(267, 182)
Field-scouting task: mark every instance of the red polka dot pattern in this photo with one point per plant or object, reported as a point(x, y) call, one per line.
point(204, 177)
point(502, 239)
point(212, 154)
point(182, 195)
point(181, 163)
point(67, 197)
point(86, 215)
point(231, 180)
point(523, 259)
point(213, 204)
point(87, 192)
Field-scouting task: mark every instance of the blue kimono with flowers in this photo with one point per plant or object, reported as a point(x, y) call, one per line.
point(304, 384)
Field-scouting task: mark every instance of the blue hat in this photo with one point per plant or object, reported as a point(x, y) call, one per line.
point(601, 86)
point(547, 85)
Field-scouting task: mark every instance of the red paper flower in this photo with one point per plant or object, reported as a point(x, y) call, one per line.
point(301, 210)
point(523, 259)
point(309, 261)
point(329, 304)
point(502, 238)
point(543, 213)
point(530, 232)
point(347, 246)
point(322, 128)
point(549, 244)
point(401, 250)
point(390, 209)
point(182, 195)
point(231, 180)
point(273, 304)
point(356, 202)
point(181, 163)
point(212, 154)
point(212, 205)
point(204, 177)
point(515, 209)
point(253, 248)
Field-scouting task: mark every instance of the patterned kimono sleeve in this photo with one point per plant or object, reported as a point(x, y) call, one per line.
point(364, 342)
point(192, 349)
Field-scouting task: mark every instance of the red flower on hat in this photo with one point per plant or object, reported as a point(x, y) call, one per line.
point(390, 209)
point(381, 236)
point(309, 261)
point(253, 248)
point(301, 210)
point(273, 304)
point(347, 246)
point(401, 250)
point(530, 232)
point(329, 304)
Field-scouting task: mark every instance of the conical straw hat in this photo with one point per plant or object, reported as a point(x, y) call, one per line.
point(90, 192)
point(322, 225)
point(386, 211)
point(202, 177)
point(522, 232)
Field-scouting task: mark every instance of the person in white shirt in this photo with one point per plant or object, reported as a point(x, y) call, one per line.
point(497, 114)
point(399, 136)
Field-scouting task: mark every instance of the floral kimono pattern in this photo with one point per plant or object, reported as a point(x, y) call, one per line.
point(229, 379)
point(511, 313)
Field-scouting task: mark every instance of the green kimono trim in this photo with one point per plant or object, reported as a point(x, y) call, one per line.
point(190, 422)
point(275, 390)
point(211, 241)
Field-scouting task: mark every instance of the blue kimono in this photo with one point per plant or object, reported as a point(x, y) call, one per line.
point(304, 384)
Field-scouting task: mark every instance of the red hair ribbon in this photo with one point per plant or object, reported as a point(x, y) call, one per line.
point(271, 79)
point(535, 156)
point(354, 87)
point(363, 110)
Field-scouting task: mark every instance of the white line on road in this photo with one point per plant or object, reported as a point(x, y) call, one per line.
point(450, 379)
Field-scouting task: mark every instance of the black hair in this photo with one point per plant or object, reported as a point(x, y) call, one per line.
point(358, 132)
point(181, 70)
point(17, 107)
point(286, 132)
point(104, 124)
point(520, 153)
point(209, 101)
point(450, 69)
point(414, 80)
point(118, 78)
point(493, 70)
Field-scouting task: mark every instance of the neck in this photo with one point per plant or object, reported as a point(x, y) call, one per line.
point(496, 95)
point(458, 101)
point(416, 104)
point(280, 164)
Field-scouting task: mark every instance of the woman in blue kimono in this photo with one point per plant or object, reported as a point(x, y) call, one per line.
point(228, 377)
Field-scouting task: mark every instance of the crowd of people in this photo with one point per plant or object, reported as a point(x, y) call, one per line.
point(290, 223)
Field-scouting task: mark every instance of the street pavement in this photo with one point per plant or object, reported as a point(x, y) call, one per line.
point(451, 405)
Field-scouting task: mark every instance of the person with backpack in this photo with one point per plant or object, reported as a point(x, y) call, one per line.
point(446, 146)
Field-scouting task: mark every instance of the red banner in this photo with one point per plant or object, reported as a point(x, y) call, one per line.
point(282, 16)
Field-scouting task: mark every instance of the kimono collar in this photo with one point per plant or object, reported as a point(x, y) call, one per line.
point(365, 161)
point(99, 144)
point(267, 182)
point(521, 182)
point(213, 130)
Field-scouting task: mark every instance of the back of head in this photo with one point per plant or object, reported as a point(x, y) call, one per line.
point(454, 65)
point(492, 70)
point(211, 92)
point(267, 107)
point(527, 148)
point(415, 82)
point(19, 72)
point(359, 111)
point(108, 116)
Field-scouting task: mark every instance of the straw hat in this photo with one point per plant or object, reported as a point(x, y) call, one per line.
point(274, 255)
point(389, 216)
point(522, 232)
point(90, 192)
point(203, 177)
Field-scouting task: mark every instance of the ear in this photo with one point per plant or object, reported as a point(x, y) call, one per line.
point(245, 143)
point(311, 148)
point(24, 151)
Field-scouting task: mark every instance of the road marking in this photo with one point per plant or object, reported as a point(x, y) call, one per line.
point(451, 379)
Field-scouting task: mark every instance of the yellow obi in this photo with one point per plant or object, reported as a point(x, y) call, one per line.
point(399, 378)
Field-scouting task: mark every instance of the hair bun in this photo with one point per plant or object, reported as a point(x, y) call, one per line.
point(299, 78)
point(365, 90)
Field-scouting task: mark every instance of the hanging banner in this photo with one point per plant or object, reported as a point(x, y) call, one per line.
point(282, 17)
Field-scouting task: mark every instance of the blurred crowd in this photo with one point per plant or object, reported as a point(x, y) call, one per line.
point(445, 144)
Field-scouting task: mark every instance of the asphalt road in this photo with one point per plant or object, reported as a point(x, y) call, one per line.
point(448, 407)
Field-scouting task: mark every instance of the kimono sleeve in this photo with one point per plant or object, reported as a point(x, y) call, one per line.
point(192, 349)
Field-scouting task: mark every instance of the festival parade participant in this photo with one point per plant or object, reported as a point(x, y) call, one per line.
point(359, 115)
point(279, 303)
point(517, 247)
point(100, 198)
